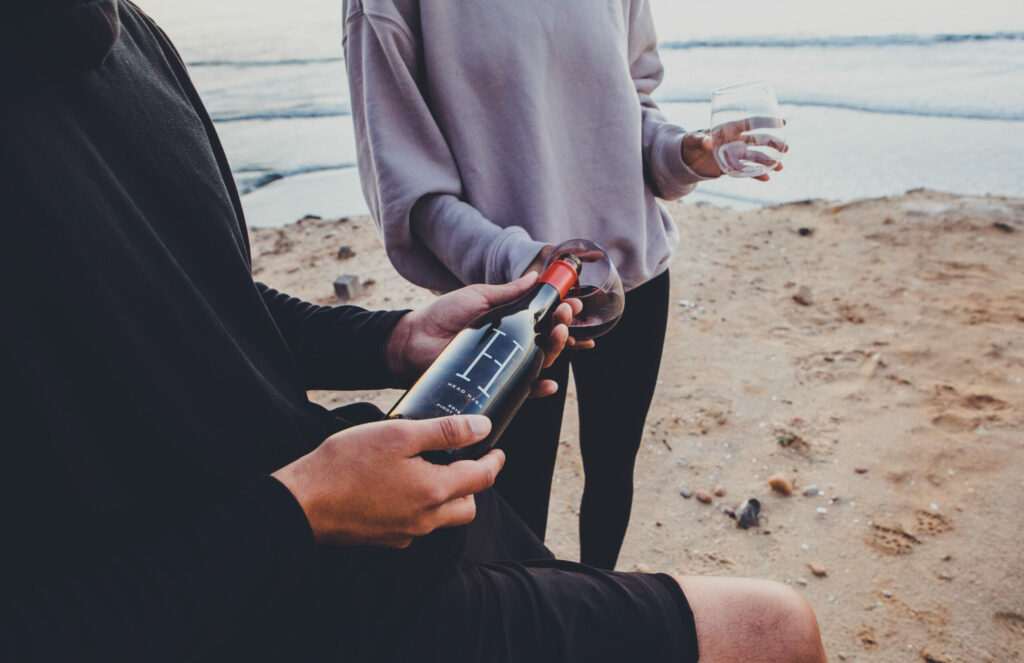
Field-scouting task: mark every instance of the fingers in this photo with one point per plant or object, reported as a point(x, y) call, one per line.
point(442, 433)
point(566, 311)
point(555, 344)
point(760, 122)
point(766, 140)
point(589, 344)
point(759, 157)
point(455, 513)
point(495, 295)
point(469, 477)
point(544, 388)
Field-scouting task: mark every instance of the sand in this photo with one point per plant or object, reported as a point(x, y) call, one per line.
point(895, 385)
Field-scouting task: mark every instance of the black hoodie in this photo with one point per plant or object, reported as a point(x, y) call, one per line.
point(150, 386)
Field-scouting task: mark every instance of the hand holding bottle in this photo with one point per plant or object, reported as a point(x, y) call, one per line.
point(421, 335)
point(368, 485)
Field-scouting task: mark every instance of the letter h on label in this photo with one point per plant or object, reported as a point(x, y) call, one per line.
point(500, 364)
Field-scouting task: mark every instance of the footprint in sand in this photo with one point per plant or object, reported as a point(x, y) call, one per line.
point(1011, 622)
point(983, 402)
point(891, 540)
point(930, 523)
point(866, 637)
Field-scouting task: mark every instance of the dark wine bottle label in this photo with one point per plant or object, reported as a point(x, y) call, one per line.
point(489, 368)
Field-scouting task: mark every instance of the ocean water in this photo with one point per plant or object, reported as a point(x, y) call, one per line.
point(880, 96)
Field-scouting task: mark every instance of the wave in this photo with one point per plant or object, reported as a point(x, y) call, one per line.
point(841, 41)
point(263, 177)
point(781, 41)
point(881, 109)
point(836, 104)
point(284, 62)
point(287, 114)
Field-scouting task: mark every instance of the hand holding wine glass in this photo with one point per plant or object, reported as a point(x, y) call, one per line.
point(746, 138)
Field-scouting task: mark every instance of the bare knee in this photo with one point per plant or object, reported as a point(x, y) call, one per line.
point(792, 621)
point(753, 621)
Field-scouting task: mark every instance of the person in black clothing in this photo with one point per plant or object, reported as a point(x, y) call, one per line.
point(170, 492)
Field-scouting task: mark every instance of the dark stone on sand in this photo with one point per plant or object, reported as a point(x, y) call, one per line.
point(803, 296)
point(749, 513)
point(345, 252)
point(347, 287)
point(805, 232)
point(1004, 227)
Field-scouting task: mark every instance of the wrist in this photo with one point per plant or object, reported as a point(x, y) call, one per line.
point(291, 477)
point(395, 348)
point(697, 154)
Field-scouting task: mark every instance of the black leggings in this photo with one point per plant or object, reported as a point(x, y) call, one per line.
point(614, 385)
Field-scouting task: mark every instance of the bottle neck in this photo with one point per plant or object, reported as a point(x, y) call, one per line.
point(545, 300)
point(552, 287)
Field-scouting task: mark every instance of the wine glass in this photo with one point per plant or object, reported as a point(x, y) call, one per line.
point(599, 289)
point(747, 129)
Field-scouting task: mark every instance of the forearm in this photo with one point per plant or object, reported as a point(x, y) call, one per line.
point(473, 248)
point(341, 347)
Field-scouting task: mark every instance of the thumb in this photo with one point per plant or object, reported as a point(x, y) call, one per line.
point(506, 292)
point(446, 433)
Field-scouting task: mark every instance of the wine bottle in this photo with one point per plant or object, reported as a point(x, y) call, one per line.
point(489, 368)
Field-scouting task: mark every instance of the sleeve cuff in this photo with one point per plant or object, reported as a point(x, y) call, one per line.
point(512, 252)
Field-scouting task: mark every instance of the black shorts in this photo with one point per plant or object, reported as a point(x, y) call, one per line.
point(491, 593)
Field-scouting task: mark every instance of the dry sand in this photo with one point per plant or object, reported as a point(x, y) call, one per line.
point(896, 387)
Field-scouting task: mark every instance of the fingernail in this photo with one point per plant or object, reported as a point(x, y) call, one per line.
point(479, 424)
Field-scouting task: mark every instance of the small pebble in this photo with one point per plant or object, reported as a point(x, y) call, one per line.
point(805, 232)
point(821, 510)
point(812, 491)
point(860, 470)
point(802, 582)
point(686, 492)
point(720, 491)
point(781, 484)
point(345, 252)
point(803, 296)
point(748, 514)
point(887, 594)
point(818, 570)
point(702, 497)
point(347, 287)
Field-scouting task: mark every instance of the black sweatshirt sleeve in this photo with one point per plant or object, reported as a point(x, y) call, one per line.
point(203, 583)
point(340, 347)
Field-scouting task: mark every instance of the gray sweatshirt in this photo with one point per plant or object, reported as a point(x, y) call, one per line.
point(488, 128)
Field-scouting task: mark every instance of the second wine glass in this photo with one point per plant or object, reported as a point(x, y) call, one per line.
point(599, 289)
point(747, 129)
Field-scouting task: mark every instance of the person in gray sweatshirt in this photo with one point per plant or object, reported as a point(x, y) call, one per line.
point(487, 132)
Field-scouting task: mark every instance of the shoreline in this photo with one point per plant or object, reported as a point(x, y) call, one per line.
point(893, 385)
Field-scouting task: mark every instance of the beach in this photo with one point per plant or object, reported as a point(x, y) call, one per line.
point(880, 97)
point(870, 353)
